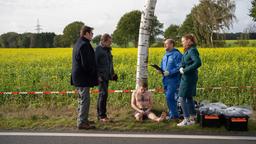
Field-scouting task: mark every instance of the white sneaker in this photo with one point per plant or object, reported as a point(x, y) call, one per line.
point(184, 123)
point(192, 122)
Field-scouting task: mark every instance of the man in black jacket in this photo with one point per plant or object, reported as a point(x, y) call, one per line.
point(105, 72)
point(84, 74)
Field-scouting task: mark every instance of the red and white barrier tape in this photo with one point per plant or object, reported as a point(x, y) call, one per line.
point(61, 92)
point(159, 90)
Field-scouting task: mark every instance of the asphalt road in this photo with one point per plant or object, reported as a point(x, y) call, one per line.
point(118, 138)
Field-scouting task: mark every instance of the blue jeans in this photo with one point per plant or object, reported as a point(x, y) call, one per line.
point(188, 106)
point(171, 94)
point(83, 105)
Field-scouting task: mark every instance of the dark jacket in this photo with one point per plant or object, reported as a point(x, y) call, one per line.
point(84, 72)
point(104, 62)
point(190, 62)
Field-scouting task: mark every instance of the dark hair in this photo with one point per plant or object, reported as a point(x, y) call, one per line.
point(143, 83)
point(85, 29)
point(105, 37)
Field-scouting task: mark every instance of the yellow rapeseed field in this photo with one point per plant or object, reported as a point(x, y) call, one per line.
point(49, 69)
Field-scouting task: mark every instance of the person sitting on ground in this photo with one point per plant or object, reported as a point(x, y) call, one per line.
point(142, 102)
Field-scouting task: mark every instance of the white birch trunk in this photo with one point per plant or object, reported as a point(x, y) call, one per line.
point(143, 44)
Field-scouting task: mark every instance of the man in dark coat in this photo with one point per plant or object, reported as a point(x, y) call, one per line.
point(106, 72)
point(84, 74)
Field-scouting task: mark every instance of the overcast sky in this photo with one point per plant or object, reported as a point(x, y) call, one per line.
point(21, 15)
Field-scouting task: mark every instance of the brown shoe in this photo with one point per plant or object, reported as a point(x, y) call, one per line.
point(86, 126)
point(91, 122)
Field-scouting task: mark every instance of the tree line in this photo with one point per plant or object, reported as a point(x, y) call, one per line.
point(42, 40)
point(208, 21)
point(27, 40)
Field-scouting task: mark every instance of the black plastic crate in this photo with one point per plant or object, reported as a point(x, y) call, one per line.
point(210, 120)
point(236, 123)
point(198, 116)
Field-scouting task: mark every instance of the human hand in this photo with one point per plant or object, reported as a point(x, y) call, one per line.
point(100, 79)
point(166, 73)
point(158, 71)
point(114, 77)
point(141, 111)
point(181, 70)
point(147, 111)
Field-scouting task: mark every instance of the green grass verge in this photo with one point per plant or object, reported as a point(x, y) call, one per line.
point(45, 113)
point(115, 125)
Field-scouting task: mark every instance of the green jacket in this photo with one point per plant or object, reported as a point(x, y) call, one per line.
point(190, 62)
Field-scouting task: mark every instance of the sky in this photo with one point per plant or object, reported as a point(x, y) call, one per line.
point(22, 15)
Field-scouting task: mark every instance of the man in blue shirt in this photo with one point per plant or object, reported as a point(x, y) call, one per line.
point(171, 63)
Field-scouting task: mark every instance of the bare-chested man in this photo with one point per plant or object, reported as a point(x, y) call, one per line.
point(142, 102)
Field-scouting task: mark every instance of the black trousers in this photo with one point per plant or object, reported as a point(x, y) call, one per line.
point(102, 99)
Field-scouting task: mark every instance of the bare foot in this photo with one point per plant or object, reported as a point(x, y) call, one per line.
point(162, 117)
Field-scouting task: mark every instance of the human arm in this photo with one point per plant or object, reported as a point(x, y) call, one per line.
point(174, 64)
point(88, 58)
point(114, 76)
point(196, 61)
point(161, 66)
point(99, 57)
point(133, 103)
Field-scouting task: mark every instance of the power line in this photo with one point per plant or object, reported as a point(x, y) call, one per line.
point(38, 26)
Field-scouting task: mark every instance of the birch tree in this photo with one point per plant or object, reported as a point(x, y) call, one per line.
point(144, 33)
